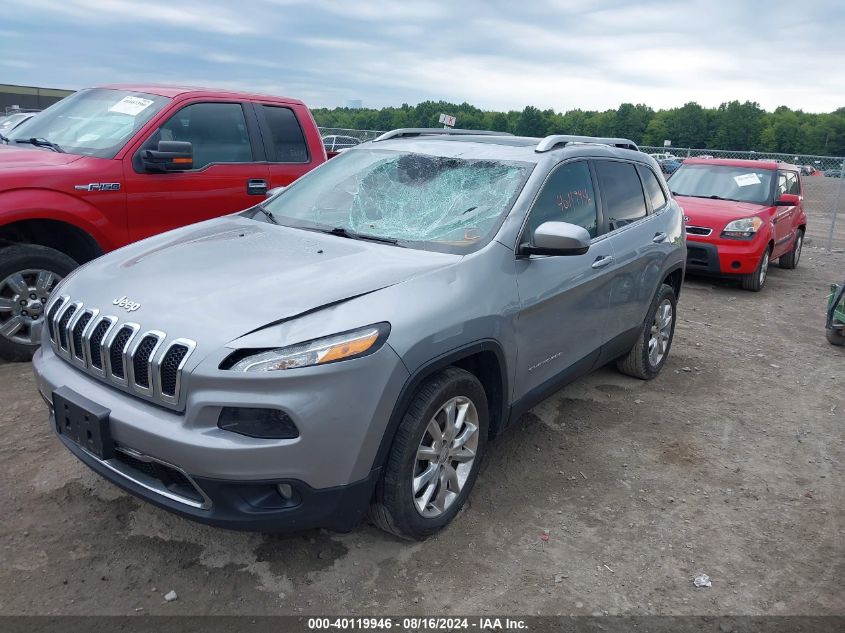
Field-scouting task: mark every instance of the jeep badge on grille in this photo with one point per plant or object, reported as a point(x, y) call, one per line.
point(129, 306)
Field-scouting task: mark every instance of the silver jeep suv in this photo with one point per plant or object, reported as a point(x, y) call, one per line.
point(352, 343)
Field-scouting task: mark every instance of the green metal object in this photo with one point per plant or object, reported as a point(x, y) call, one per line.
point(836, 306)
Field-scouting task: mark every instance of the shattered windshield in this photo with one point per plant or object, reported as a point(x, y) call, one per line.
point(419, 200)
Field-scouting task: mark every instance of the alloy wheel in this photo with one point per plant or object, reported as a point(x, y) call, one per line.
point(764, 267)
point(661, 333)
point(23, 296)
point(445, 457)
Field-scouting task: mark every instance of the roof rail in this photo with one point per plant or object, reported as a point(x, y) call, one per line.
point(550, 142)
point(427, 131)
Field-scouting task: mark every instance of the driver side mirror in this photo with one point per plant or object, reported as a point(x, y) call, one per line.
point(787, 200)
point(170, 156)
point(272, 192)
point(558, 238)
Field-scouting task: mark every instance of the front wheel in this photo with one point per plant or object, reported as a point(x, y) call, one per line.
point(28, 274)
point(790, 259)
point(755, 281)
point(647, 357)
point(435, 456)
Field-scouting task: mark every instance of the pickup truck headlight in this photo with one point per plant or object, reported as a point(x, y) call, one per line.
point(329, 349)
point(744, 228)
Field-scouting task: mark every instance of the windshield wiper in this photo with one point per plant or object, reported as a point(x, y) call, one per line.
point(41, 142)
point(267, 214)
point(352, 235)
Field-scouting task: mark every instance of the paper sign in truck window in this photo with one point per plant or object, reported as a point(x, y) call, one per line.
point(744, 180)
point(131, 105)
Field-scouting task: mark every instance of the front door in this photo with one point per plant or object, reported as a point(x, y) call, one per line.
point(784, 216)
point(225, 177)
point(563, 299)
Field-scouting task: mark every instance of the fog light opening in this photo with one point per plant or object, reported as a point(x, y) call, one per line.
point(286, 491)
point(735, 264)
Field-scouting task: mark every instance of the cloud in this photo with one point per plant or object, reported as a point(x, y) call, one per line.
point(593, 54)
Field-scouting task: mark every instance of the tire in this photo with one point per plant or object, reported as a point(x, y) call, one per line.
point(756, 280)
point(398, 506)
point(835, 337)
point(645, 360)
point(21, 266)
point(790, 260)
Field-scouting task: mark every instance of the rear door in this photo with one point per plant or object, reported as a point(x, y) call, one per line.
point(564, 299)
point(289, 153)
point(229, 169)
point(636, 226)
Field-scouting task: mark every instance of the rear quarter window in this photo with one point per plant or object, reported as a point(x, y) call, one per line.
point(286, 138)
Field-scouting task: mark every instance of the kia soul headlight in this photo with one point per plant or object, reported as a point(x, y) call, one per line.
point(328, 349)
point(744, 227)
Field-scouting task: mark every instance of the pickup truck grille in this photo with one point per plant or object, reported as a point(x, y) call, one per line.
point(146, 364)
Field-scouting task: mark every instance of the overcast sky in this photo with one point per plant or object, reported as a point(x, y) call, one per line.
point(498, 55)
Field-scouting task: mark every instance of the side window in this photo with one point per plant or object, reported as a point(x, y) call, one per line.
point(567, 196)
point(288, 141)
point(216, 131)
point(621, 192)
point(792, 185)
point(652, 188)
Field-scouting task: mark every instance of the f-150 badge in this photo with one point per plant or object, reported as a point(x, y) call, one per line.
point(98, 186)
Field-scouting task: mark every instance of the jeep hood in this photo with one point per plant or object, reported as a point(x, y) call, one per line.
point(218, 280)
point(25, 156)
point(706, 211)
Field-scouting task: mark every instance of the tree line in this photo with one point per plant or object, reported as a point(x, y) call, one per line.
point(732, 126)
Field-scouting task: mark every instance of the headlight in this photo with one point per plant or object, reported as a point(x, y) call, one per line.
point(744, 228)
point(329, 349)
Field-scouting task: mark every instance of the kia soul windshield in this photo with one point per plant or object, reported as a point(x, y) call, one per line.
point(418, 200)
point(742, 184)
point(90, 122)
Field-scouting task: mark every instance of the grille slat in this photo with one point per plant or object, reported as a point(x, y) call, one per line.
point(63, 337)
point(146, 364)
point(170, 368)
point(116, 351)
point(141, 360)
point(96, 340)
point(78, 329)
point(51, 317)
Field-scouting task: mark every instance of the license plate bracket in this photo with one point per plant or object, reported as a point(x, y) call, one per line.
point(83, 421)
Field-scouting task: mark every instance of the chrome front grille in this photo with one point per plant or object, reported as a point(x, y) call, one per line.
point(145, 363)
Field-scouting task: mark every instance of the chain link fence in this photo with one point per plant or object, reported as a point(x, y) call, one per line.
point(823, 177)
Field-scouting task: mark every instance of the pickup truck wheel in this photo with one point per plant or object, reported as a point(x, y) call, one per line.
point(28, 274)
point(755, 281)
point(835, 337)
point(790, 260)
point(647, 357)
point(435, 456)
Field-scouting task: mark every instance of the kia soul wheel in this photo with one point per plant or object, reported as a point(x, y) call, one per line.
point(28, 274)
point(435, 456)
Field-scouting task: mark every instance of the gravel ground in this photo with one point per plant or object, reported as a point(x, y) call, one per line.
point(730, 463)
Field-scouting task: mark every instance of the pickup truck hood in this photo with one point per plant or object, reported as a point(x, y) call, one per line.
point(218, 280)
point(707, 212)
point(17, 156)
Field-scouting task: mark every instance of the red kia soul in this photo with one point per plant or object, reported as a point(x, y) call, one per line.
point(740, 216)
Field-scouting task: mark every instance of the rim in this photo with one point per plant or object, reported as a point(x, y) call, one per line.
point(798, 244)
point(23, 296)
point(445, 457)
point(764, 267)
point(661, 333)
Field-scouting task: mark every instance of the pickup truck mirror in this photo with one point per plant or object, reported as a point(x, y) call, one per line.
point(558, 238)
point(787, 200)
point(170, 156)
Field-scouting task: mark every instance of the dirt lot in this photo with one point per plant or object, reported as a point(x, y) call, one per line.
point(730, 463)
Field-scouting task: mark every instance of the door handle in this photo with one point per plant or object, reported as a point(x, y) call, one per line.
point(602, 261)
point(659, 237)
point(256, 187)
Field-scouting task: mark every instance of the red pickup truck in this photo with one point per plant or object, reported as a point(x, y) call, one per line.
point(111, 165)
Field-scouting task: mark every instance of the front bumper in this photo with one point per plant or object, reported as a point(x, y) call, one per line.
point(723, 256)
point(341, 411)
